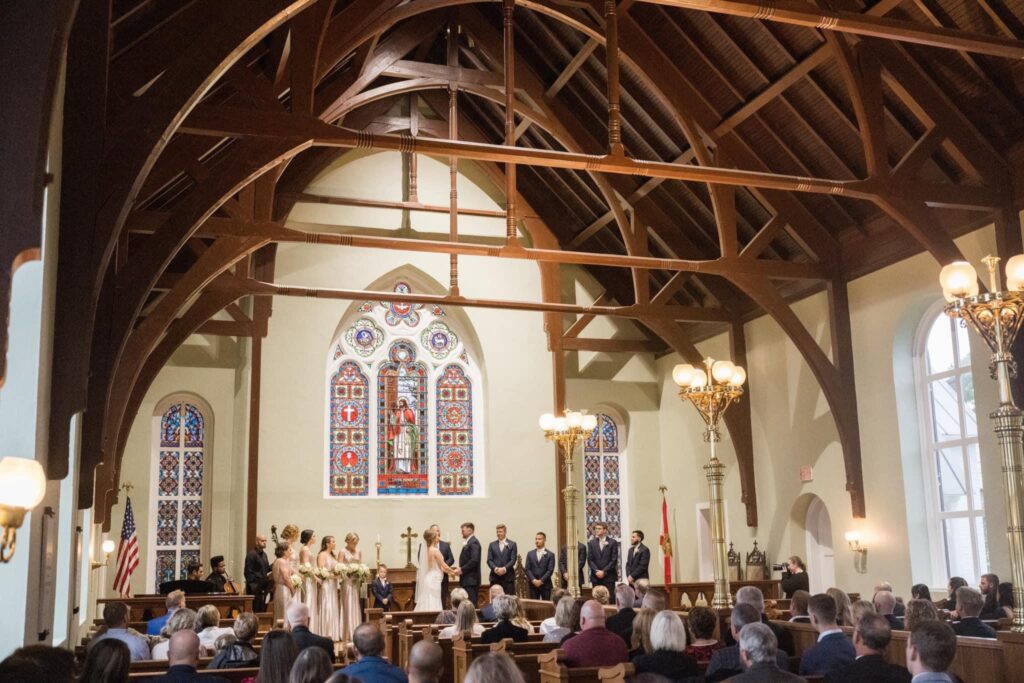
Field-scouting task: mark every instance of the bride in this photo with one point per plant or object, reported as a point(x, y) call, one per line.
point(431, 569)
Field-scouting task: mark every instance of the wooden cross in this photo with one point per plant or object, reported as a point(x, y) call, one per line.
point(408, 536)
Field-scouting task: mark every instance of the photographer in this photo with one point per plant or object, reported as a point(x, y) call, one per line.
point(794, 576)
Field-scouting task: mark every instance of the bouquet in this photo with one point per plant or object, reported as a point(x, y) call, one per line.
point(297, 582)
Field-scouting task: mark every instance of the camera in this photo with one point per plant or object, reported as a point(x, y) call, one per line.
point(779, 567)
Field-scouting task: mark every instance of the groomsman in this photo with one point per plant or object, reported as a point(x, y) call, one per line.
point(382, 589)
point(603, 557)
point(446, 552)
point(637, 559)
point(501, 558)
point(469, 563)
point(257, 574)
point(540, 565)
point(581, 559)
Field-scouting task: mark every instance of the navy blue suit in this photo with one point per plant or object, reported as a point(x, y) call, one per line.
point(469, 563)
point(606, 560)
point(541, 570)
point(497, 558)
point(382, 591)
point(581, 557)
point(637, 560)
point(831, 653)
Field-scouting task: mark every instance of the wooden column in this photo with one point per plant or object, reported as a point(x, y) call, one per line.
point(252, 473)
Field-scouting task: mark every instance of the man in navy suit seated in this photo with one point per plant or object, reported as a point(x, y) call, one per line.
point(930, 652)
point(871, 637)
point(969, 604)
point(371, 665)
point(833, 649)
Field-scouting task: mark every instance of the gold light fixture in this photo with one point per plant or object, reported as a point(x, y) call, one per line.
point(567, 431)
point(996, 316)
point(108, 547)
point(856, 544)
point(22, 487)
point(712, 390)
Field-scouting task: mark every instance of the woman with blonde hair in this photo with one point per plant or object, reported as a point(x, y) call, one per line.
point(311, 587)
point(601, 594)
point(282, 571)
point(919, 610)
point(860, 607)
point(494, 667)
point(183, 619)
point(330, 608)
point(640, 643)
point(844, 609)
point(465, 620)
point(351, 614)
point(794, 576)
point(669, 659)
point(520, 619)
point(563, 620)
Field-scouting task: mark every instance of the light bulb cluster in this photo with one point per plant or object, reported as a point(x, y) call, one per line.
point(959, 279)
point(722, 372)
point(570, 420)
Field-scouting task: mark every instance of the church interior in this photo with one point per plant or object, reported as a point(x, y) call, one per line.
point(745, 276)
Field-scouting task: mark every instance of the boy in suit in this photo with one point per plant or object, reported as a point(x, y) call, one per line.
point(382, 588)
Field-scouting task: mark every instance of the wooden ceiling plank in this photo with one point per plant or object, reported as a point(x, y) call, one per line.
point(919, 153)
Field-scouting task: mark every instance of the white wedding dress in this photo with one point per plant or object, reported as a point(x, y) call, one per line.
point(428, 583)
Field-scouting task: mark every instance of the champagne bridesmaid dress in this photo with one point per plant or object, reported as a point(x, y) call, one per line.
point(351, 610)
point(330, 610)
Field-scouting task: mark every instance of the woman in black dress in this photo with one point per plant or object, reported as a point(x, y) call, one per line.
point(794, 577)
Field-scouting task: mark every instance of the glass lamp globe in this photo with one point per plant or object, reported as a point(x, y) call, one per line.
point(590, 422)
point(1015, 273)
point(547, 422)
point(108, 547)
point(22, 483)
point(698, 379)
point(682, 374)
point(739, 376)
point(958, 279)
point(722, 370)
point(561, 424)
point(574, 418)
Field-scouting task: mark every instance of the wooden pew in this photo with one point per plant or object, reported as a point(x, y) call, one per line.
point(465, 651)
point(233, 675)
point(145, 607)
point(553, 669)
point(525, 655)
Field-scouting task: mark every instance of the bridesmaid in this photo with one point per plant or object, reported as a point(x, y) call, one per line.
point(282, 572)
point(351, 613)
point(307, 555)
point(330, 614)
point(289, 535)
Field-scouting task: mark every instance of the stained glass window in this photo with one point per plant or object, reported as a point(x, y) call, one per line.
point(178, 490)
point(412, 429)
point(603, 463)
point(952, 461)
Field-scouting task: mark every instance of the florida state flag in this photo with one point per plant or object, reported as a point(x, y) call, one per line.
point(665, 541)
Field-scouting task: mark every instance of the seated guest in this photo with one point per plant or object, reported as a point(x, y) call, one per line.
point(175, 601)
point(115, 616)
point(239, 654)
point(898, 608)
point(563, 620)
point(183, 620)
point(465, 620)
point(920, 591)
point(487, 612)
point(183, 656)
point(277, 657)
point(494, 667)
point(833, 649)
point(989, 587)
point(669, 659)
point(426, 660)
point(949, 604)
point(458, 596)
point(370, 666)
point(107, 662)
point(752, 595)
point(640, 586)
point(1004, 600)
point(640, 642)
point(968, 606)
point(919, 610)
point(844, 610)
point(311, 666)
point(798, 607)
point(601, 594)
point(595, 645)
point(208, 627)
point(871, 637)
point(520, 619)
point(702, 622)
point(727, 661)
point(931, 649)
point(759, 655)
point(885, 604)
point(574, 618)
point(41, 664)
point(622, 621)
point(504, 608)
point(549, 624)
point(383, 592)
point(655, 599)
point(219, 574)
point(298, 622)
point(862, 607)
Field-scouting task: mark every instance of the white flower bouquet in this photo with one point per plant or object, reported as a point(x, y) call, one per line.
point(297, 582)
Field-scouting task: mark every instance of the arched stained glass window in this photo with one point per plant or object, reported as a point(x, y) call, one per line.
point(181, 463)
point(952, 459)
point(418, 417)
point(602, 477)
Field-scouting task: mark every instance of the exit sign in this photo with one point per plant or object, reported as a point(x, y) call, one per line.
point(806, 474)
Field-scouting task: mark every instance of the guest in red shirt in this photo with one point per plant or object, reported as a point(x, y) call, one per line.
point(595, 645)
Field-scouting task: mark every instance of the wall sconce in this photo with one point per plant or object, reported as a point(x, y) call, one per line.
point(860, 560)
point(108, 547)
point(22, 487)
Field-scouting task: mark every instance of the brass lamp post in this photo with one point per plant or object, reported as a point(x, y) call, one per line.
point(567, 431)
point(996, 316)
point(712, 390)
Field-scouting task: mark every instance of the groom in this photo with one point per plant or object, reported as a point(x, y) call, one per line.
point(469, 563)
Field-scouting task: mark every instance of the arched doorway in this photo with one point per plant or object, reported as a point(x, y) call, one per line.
point(821, 566)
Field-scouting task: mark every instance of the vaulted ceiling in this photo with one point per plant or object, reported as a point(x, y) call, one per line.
point(708, 160)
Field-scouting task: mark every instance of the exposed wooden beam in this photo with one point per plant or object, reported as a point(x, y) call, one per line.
point(613, 345)
point(228, 328)
point(308, 198)
point(404, 68)
point(583, 321)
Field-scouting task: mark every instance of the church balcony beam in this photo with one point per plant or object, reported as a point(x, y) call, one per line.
point(237, 122)
point(612, 345)
point(722, 266)
point(304, 197)
point(799, 13)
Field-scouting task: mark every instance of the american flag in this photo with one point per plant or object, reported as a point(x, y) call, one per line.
point(127, 553)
